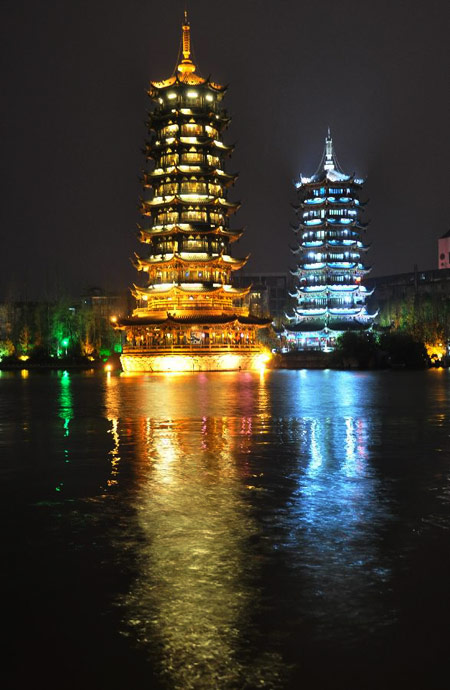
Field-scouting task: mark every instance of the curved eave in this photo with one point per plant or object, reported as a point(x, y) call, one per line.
point(338, 205)
point(185, 79)
point(147, 235)
point(224, 290)
point(342, 326)
point(306, 327)
point(219, 261)
point(228, 206)
point(324, 178)
point(222, 177)
point(177, 142)
point(173, 319)
point(312, 313)
point(305, 247)
point(337, 290)
point(179, 113)
point(310, 293)
point(336, 312)
point(330, 225)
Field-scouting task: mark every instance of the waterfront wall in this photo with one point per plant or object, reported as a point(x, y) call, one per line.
point(226, 361)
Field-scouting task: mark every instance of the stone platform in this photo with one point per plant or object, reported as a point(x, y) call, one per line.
point(193, 361)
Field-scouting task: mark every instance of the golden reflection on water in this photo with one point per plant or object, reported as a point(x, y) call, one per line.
point(192, 599)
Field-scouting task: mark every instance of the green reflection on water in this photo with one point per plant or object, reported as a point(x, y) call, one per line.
point(65, 413)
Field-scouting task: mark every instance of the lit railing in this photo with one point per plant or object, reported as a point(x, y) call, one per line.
point(210, 308)
point(140, 348)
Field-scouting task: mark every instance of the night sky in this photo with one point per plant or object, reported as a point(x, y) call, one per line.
point(74, 105)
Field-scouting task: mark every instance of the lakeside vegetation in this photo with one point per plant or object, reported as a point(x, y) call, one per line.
point(55, 335)
point(413, 334)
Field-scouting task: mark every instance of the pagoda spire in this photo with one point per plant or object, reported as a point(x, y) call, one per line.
point(186, 66)
point(329, 152)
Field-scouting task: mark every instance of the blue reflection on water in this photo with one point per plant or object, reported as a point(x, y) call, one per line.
point(339, 506)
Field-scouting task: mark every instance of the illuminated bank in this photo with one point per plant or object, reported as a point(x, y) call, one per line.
point(188, 314)
point(330, 296)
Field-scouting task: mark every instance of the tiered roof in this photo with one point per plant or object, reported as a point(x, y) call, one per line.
point(329, 293)
point(188, 265)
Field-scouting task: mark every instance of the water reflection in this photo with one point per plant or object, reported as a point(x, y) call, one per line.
point(65, 413)
point(339, 511)
point(211, 496)
point(112, 403)
point(194, 594)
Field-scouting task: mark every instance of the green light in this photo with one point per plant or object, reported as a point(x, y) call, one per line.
point(65, 342)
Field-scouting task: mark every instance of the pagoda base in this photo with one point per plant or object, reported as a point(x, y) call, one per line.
point(202, 361)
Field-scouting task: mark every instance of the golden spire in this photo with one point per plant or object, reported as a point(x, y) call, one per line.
point(186, 66)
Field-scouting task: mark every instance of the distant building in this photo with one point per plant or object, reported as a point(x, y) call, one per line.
point(268, 294)
point(104, 305)
point(329, 294)
point(444, 251)
point(401, 287)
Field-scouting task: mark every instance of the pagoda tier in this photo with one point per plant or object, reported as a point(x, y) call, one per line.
point(329, 294)
point(186, 234)
point(178, 175)
point(187, 301)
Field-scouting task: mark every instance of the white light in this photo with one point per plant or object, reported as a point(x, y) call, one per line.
point(171, 95)
point(209, 97)
point(192, 94)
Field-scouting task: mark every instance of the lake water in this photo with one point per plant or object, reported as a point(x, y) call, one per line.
point(288, 529)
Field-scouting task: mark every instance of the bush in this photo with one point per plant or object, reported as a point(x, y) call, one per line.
point(401, 350)
point(355, 351)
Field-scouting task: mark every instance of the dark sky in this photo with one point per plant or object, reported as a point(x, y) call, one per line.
point(74, 104)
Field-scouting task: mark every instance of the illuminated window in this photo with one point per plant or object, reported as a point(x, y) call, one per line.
point(199, 216)
point(213, 160)
point(209, 97)
point(192, 94)
point(215, 190)
point(193, 188)
point(216, 218)
point(167, 189)
point(170, 130)
point(192, 157)
point(171, 95)
point(191, 129)
point(167, 217)
point(169, 159)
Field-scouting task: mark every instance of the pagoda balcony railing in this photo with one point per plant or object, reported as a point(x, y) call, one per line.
point(208, 309)
point(180, 349)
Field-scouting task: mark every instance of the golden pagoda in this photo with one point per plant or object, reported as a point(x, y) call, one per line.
point(188, 315)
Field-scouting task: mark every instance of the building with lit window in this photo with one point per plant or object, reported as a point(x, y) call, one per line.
point(269, 293)
point(186, 316)
point(444, 251)
point(330, 296)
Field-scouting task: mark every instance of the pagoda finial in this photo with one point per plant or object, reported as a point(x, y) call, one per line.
point(186, 65)
point(329, 153)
